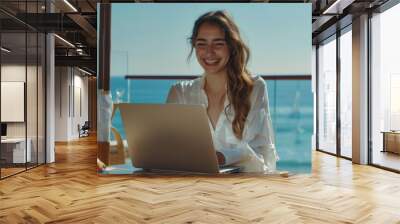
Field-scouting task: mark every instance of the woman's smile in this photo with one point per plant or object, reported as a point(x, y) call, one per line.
point(211, 62)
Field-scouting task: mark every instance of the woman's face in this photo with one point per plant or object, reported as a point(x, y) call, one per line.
point(211, 48)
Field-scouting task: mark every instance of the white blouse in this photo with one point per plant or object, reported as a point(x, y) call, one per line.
point(255, 152)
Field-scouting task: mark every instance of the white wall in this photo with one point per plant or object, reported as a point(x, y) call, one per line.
point(62, 81)
point(71, 87)
point(15, 73)
point(80, 109)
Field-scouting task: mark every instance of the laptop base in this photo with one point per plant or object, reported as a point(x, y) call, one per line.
point(223, 170)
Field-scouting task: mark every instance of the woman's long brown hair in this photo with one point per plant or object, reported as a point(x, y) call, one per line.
point(239, 81)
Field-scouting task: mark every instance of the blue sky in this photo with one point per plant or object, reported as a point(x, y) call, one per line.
point(151, 38)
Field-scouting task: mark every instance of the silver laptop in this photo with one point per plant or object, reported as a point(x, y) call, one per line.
point(172, 137)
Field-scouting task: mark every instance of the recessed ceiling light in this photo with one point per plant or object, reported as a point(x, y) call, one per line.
point(84, 71)
point(64, 40)
point(70, 5)
point(337, 7)
point(5, 50)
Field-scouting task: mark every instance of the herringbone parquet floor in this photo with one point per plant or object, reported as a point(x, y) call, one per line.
point(70, 191)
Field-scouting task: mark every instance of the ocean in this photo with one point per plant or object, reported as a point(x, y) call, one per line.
point(290, 103)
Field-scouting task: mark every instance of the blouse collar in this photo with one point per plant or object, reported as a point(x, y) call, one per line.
point(204, 95)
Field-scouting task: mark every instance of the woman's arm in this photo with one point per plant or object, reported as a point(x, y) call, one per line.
point(263, 141)
point(238, 154)
point(258, 144)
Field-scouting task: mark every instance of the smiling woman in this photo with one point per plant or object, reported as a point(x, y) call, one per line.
point(211, 49)
point(149, 55)
point(236, 102)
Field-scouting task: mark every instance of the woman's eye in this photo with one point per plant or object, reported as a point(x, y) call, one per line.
point(200, 45)
point(220, 44)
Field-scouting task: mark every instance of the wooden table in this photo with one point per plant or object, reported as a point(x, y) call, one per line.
point(391, 141)
point(13, 150)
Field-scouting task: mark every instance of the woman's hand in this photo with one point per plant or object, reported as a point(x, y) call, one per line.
point(221, 158)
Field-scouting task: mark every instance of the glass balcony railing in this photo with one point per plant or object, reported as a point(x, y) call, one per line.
point(290, 102)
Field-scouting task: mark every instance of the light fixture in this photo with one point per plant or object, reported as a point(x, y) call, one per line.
point(84, 71)
point(64, 40)
point(337, 7)
point(5, 50)
point(80, 51)
point(70, 5)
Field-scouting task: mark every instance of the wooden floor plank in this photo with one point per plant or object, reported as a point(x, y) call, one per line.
point(70, 191)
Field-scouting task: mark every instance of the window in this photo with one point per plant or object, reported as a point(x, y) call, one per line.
point(385, 85)
point(346, 93)
point(327, 96)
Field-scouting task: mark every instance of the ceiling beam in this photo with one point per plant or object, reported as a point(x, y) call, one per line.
point(84, 24)
point(82, 61)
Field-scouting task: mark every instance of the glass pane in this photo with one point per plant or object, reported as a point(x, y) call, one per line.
point(291, 106)
point(13, 85)
point(31, 85)
point(327, 97)
point(41, 98)
point(19, 66)
point(346, 94)
point(31, 97)
point(386, 89)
